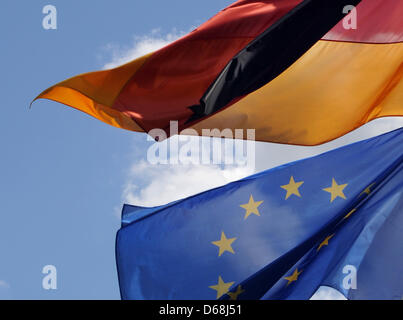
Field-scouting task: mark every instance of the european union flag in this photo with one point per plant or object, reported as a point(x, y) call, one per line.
point(335, 219)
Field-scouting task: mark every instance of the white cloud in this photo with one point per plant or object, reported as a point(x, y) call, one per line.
point(150, 185)
point(327, 293)
point(141, 46)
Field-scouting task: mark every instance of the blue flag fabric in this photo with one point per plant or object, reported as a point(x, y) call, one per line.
point(334, 219)
point(364, 253)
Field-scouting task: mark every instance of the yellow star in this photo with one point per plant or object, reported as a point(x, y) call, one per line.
point(292, 188)
point(251, 207)
point(325, 242)
point(221, 287)
point(234, 295)
point(293, 277)
point(367, 189)
point(336, 190)
point(350, 213)
point(224, 244)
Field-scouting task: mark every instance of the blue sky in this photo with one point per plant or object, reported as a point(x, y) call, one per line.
point(62, 172)
point(64, 175)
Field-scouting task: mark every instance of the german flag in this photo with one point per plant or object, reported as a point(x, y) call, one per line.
point(287, 68)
